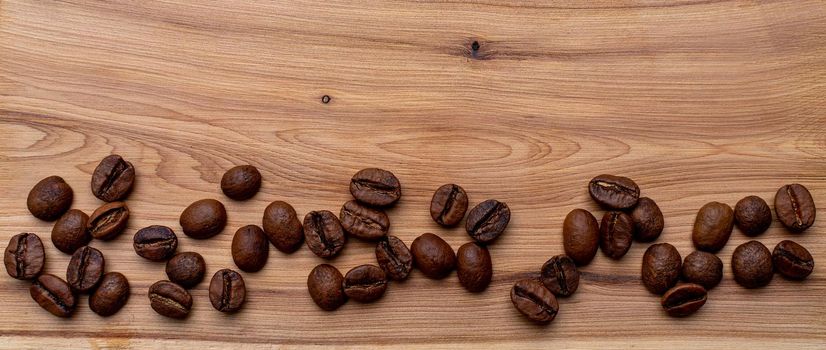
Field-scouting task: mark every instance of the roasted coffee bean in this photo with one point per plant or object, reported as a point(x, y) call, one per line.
point(241, 182)
point(614, 192)
point(365, 283)
point(85, 269)
point(648, 220)
point(580, 236)
point(111, 295)
point(795, 207)
point(113, 178)
point(54, 295)
point(661, 267)
point(250, 248)
point(394, 258)
point(156, 243)
point(560, 275)
point(791, 260)
point(24, 257)
point(323, 233)
point(433, 256)
point(364, 222)
point(169, 299)
point(751, 264)
point(712, 227)
point(703, 268)
point(448, 205)
point(325, 285)
point(186, 269)
point(50, 198)
point(69, 232)
point(487, 220)
point(752, 215)
point(282, 227)
point(684, 300)
point(616, 233)
point(227, 291)
point(474, 267)
point(534, 301)
point(376, 187)
point(203, 219)
point(108, 221)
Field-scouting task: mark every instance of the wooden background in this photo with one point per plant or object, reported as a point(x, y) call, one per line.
point(698, 100)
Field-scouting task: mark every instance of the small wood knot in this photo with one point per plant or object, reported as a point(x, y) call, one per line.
point(325, 99)
point(474, 46)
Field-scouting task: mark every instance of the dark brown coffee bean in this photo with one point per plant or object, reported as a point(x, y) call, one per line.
point(227, 291)
point(616, 234)
point(113, 178)
point(534, 301)
point(751, 264)
point(487, 220)
point(795, 207)
point(560, 275)
point(684, 300)
point(186, 269)
point(282, 227)
point(712, 227)
point(752, 215)
point(661, 267)
point(364, 222)
point(394, 258)
point(792, 260)
point(203, 219)
point(648, 220)
point(365, 283)
point(433, 256)
point(376, 187)
point(108, 221)
point(69, 232)
point(250, 248)
point(474, 267)
point(580, 236)
point(614, 192)
point(325, 285)
point(241, 182)
point(448, 205)
point(54, 295)
point(111, 295)
point(85, 269)
point(323, 233)
point(156, 243)
point(703, 268)
point(169, 299)
point(24, 257)
point(50, 198)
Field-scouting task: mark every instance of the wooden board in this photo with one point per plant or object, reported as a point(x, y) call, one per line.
point(698, 100)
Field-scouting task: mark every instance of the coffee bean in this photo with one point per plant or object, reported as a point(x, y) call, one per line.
point(487, 220)
point(560, 275)
point(394, 258)
point(250, 248)
point(169, 299)
point(791, 260)
point(323, 233)
point(364, 222)
point(227, 291)
point(156, 243)
point(703, 268)
point(186, 269)
point(50, 198)
point(648, 220)
point(282, 227)
point(684, 300)
point(376, 187)
point(69, 232)
point(24, 257)
point(448, 205)
point(661, 267)
point(113, 178)
point(534, 301)
point(203, 219)
point(365, 283)
point(53, 294)
point(474, 267)
point(795, 207)
point(580, 236)
point(751, 264)
point(108, 221)
point(241, 182)
point(325, 285)
point(85, 269)
point(712, 227)
point(433, 256)
point(752, 215)
point(111, 295)
point(614, 192)
point(616, 233)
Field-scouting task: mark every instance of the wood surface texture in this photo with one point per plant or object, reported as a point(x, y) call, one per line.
point(697, 100)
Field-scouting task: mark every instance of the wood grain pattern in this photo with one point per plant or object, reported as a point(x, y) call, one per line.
point(698, 100)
